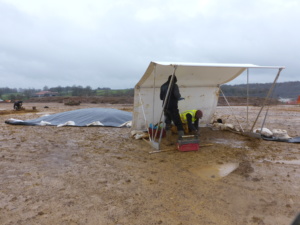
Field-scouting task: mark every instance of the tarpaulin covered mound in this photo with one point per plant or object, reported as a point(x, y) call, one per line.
point(81, 117)
point(290, 140)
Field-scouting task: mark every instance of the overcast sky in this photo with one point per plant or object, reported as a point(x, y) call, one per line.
point(110, 43)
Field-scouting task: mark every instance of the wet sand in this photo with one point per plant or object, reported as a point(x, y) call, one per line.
point(73, 175)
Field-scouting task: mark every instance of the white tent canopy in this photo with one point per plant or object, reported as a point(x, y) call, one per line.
point(198, 83)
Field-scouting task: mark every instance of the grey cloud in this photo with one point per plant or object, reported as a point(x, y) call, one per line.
point(115, 50)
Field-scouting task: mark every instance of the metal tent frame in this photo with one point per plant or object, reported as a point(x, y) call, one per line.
point(157, 76)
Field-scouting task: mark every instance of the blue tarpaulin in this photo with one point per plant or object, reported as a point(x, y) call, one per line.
point(82, 117)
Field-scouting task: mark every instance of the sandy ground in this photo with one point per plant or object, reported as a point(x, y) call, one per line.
point(71, 175)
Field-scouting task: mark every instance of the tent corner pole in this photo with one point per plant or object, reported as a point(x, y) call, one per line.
point(267, 98)
point(164, 105)
point(247, 96)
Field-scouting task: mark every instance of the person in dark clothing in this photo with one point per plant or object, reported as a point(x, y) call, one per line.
point(18, 105)
point(191, 118)
point(171, 111)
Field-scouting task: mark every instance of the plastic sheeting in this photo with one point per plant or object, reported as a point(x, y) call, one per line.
point(290, 140)
point(82, 117)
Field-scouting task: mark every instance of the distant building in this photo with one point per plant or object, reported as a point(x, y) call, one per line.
point(295, 101)
point(45, 94)
point(285, 100)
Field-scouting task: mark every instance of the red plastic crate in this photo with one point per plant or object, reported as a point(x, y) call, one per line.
point(188, 143)
point(188, 147)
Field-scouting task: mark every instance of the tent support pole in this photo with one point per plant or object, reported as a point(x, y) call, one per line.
point(231, 109)
point(154, 144)
point(266, 113)
point(247, 96)
point(141, 101)
point(153, 109)
point(157, 145)
point(266, 99)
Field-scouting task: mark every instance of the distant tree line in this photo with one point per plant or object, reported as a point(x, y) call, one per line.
point(281, 90)
point(23, 93)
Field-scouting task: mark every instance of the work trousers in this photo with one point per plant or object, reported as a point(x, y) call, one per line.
point(193, 126)
point(173, 115)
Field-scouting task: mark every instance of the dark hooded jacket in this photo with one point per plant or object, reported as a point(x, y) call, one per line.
point(174, 95)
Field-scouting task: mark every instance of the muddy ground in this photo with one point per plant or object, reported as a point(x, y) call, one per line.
point(71, 175)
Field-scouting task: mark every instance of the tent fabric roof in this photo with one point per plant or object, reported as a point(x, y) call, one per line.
point(194, 74)
point(216, 65)
point(82, 117)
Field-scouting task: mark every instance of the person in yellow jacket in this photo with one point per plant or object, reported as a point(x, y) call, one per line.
point(191, 118)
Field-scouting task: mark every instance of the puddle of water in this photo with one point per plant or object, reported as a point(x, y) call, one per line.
point(233, 143)
point(215, 171)
point(44, 113)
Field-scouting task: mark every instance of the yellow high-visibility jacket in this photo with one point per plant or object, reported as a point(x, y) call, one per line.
point(183, 115)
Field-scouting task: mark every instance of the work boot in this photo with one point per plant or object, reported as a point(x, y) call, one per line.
point(180, 134)
point(169, 137)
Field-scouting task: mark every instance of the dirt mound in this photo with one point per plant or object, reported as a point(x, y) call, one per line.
point(22, 111)
point(89, 99)
point(254, 101)
point(234, 101)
